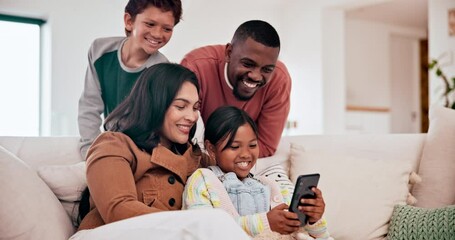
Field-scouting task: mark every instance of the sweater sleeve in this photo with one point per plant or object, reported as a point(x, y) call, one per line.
point(196, 194)
point(205, 191)
point(254, 224)
point(274, 112)
point(318, 229)
point(91, 106)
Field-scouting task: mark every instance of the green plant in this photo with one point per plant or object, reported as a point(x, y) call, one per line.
point(449, 84)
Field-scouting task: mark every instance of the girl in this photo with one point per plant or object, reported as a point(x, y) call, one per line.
point(116, 62)
point(257, 204)
point(140, 164)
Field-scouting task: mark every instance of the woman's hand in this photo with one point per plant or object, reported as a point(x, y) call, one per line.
point(283, 221)
point(313, 207)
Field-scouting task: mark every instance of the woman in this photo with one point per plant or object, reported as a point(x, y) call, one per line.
point(141, 163)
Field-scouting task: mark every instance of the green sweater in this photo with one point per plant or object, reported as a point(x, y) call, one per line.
point(107, 82)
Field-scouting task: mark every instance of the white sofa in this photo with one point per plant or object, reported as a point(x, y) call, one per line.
point(362, 178)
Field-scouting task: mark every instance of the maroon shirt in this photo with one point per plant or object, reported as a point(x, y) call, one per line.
point(269, 107)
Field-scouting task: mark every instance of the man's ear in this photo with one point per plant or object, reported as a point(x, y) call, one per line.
point(227, 52)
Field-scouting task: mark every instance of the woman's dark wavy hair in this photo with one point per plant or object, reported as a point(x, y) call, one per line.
point(141, 114)
point(224, 122)
point(135, 7)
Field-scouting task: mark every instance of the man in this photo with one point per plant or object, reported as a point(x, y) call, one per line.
point(246, 73)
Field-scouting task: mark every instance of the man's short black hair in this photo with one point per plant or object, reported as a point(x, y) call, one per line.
point(259, 31)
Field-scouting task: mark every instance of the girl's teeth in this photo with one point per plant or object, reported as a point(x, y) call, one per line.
point(242, 164)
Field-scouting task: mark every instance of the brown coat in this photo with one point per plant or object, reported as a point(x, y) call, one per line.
point(125, 181)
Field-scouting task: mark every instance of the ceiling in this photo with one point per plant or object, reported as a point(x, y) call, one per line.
point(406, 13)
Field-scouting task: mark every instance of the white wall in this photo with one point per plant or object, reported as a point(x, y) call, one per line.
point(367, 61)
point(214, 22)
point(367, 49)
point(302, 25)
point(70, 28)
point(334, 70)
point(439, 43)
point(317, 95)
point(372, 79)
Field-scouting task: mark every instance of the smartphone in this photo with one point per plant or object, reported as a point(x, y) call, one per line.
point(302, 189)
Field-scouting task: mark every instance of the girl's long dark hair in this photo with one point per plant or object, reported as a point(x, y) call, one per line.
point(141, 114)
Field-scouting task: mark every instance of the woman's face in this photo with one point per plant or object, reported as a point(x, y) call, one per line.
point(181, 116)
point(241, 155)
point(151, 29)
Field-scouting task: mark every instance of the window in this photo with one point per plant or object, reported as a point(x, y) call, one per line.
point(20, 76)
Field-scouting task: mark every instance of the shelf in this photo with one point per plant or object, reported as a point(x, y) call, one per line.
point(366, 109)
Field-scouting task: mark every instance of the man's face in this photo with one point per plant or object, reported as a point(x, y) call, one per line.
point(250, 66)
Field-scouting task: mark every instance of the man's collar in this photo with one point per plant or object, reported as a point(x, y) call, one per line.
point(226, 76)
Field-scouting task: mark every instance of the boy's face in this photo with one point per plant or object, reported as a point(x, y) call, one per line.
point(250, 66)
point(241, 155)
point(151, 29)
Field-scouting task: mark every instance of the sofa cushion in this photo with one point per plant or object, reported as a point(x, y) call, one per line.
point(279, 175)
point(66, 181)
point(410, 222)
point(28, 208)
point(42, 151)
point(437, 167)
point(361, 180)
point(280, 157)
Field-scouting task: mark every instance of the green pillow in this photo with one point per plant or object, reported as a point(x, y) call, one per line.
point(413, 223)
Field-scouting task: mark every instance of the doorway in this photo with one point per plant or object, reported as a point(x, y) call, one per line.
point(424, 87)
point(404, 84)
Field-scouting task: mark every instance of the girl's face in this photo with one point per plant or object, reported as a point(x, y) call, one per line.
point(241, 155)
point(181, 116)
point(151, 29)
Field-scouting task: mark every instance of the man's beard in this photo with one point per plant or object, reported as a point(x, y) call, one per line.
point(240, 97)
point(236, 89)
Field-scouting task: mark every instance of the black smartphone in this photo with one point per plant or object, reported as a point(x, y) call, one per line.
point(302, 189)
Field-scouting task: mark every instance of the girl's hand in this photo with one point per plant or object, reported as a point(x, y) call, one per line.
point(316, 207)
point(283, 221)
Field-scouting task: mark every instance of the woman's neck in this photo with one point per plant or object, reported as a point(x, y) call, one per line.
point(169, 145)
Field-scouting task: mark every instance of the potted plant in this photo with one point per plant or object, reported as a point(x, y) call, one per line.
point(449, 84)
